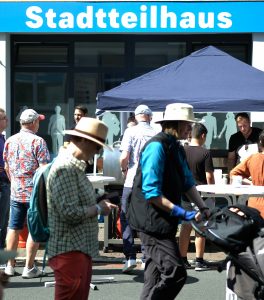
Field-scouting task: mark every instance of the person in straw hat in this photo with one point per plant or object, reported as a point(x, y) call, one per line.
point(73, 211)
point(162, 177)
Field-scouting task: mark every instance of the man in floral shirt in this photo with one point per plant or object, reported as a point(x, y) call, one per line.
point(23, 153)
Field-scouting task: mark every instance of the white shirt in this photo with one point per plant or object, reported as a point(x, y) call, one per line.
point(133, 141)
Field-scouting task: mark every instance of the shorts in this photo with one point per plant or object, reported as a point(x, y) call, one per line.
point(18, 214)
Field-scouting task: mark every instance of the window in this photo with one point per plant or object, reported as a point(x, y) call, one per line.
point(35, 53)
point(100, 54)
point(156, 54)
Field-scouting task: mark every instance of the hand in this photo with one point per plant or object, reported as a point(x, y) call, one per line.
point(106, 206)
point(198, 216)
point(190, 215)
point(205, 213)
point(124, 173)
point(179, 212)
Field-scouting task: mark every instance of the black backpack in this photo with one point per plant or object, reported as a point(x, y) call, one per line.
point(230, 231)
point(242, 238)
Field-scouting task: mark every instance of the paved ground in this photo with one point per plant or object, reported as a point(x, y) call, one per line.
point(206, 285)
point(115, 253)
point(200, 285)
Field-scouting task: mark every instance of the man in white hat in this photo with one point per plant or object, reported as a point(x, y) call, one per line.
point(73, 211)
point(23, 153)
point(133, 141)
point(162, 177)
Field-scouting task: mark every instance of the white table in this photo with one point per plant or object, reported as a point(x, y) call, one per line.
point(233, 194)
point(99, 181)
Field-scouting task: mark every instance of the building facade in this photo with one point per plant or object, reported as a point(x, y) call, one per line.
point(63, 53)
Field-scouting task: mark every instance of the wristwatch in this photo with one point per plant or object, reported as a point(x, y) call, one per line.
point(99, 209)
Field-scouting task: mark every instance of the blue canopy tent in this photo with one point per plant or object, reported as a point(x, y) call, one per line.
point(209, 79)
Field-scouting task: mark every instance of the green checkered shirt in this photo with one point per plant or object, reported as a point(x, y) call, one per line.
point(69, 194)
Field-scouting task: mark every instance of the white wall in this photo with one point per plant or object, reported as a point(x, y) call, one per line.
point(5, 100)
point(258, 62)
point(258, 51)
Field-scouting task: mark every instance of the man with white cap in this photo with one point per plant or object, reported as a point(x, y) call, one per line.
point(162, 177)
point(133, 141)
point(73, 212)
point(23, 153)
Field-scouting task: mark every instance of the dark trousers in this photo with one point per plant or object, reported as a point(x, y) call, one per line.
point(127, 232)
point(4, 211)
point(165, 273)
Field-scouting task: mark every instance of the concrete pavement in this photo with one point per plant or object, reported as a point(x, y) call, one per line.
point(206, 285)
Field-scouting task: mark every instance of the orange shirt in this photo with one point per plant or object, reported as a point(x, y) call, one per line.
point(253, 166)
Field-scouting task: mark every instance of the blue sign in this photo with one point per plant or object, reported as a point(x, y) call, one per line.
point(132, 17)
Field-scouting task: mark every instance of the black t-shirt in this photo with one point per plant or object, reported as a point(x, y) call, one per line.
point(237, 140)
point(200, 161)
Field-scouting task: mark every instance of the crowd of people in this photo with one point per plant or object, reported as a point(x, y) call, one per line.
point(160, 178)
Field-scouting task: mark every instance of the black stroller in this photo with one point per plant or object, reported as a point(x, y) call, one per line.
point(238, 231)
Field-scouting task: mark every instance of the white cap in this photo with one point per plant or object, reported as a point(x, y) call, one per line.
point(143, 109)
point(29, 116)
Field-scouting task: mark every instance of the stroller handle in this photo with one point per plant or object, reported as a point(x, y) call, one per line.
point(198, 226)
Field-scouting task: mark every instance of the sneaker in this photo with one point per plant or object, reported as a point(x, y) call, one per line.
point(187, 265)
point(9, 270)
point(2, 267)
point(201, 266)
point(130, 264)
point(31, 273)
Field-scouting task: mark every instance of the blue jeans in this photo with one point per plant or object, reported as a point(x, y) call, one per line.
point(127, 232)
point(18, 215)
point(4, 211)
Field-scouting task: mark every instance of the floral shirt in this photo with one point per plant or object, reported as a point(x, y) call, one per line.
point(24, 152)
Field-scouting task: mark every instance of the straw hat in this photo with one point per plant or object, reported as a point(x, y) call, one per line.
point(178, 112)
point(91, 129)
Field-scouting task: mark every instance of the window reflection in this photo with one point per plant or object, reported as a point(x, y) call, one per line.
point(41, 54)
point(103, 54)
point(156, 54)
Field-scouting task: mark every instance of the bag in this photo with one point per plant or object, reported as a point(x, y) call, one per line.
point(245, 274)
point(37, 216)
point(230, 231)
point(258, 247)
point(242, 237)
